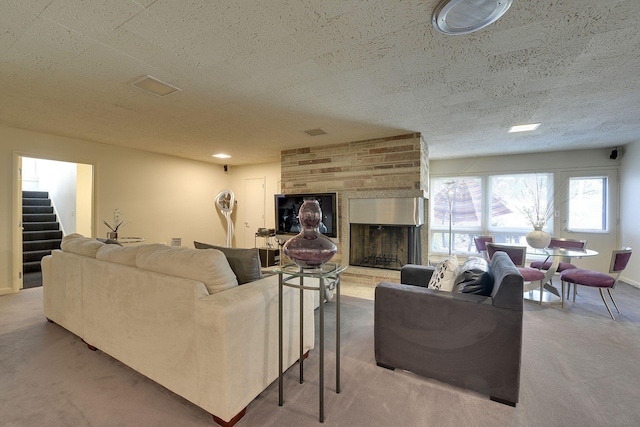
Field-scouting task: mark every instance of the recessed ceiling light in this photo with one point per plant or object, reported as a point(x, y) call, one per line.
point(524, 128)
point(154, 86)
point(466, 16)
point(222, 156)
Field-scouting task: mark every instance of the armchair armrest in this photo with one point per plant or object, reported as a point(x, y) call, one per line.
point(460, 339)
point(416, 275)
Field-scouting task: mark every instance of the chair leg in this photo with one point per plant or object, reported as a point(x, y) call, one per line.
point(605, 303)
point(575, 288)
point(541, 290)
point(614, 301)
point(562, 294)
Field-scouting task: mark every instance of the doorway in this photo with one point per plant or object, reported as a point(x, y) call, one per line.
point(52, 198)
point(254, 190)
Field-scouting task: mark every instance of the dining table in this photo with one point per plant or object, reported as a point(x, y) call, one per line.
point(555, 255)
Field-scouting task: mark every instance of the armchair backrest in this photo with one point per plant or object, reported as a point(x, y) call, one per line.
point(619, 260)
point(481, 242)
point(558, 242)
point(518, 254)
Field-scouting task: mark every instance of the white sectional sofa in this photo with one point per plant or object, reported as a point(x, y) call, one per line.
point(177, 316)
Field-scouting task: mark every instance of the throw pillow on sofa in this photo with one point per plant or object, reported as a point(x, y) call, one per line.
point(474, 278)
point(444, 277)
point(78, 244)
point(245, 263)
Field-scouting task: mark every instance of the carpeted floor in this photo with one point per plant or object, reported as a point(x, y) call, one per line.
point(32, 280)
point(579, 368)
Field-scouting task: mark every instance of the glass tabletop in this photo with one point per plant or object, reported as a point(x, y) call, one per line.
point(561, 252)
point(325, 270)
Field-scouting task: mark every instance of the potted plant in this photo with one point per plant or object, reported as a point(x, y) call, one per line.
point(118, 223)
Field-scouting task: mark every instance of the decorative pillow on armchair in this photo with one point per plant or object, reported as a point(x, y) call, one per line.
point(445, 275)
point(474, 278)
point(245, 263)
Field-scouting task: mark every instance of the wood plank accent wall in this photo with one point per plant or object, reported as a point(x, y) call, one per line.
point(395, 166)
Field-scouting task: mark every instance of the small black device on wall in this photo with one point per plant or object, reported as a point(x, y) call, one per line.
point(615, 153)
point(226, 168)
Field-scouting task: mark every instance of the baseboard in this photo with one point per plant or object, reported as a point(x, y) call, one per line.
point(630, 282)
point(5, 291)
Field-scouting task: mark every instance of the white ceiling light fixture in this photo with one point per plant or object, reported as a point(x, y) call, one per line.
point(524, 128)
point(154, 86)
point(466, 16)
point(221, 156)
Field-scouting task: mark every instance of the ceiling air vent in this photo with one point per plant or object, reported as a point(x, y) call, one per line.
point(315, 132)
point(154, 86)
point(467, 16)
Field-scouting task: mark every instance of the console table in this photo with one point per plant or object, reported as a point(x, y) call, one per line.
point(287, 273)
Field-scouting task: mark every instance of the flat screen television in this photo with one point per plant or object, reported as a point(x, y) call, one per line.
point(288, 205)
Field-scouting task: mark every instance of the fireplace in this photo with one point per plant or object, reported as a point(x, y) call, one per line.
point(385, 233)
point(384, 246)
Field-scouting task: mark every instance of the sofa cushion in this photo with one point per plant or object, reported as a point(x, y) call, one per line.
point(118, 254)
point(445, 275)
point(208, 266)
point(245, 263)
point(474, 277)
point(78, 244)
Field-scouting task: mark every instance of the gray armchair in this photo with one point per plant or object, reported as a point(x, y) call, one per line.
point(467, 340)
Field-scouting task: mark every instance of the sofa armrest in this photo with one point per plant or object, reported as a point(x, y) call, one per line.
point(416, 275)
point(237, 343)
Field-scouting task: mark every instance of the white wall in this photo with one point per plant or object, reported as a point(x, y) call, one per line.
point(629, 209)
point(59, 180)
point(162, 196)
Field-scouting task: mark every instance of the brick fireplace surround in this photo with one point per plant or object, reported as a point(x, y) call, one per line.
point(395, 166)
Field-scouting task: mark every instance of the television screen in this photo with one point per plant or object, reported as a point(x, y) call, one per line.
point(288, 205)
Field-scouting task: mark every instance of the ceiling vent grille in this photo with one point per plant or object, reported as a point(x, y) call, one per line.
point(154, 86)
point(315, 132)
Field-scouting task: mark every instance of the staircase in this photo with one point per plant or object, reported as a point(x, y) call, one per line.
point(41, 231)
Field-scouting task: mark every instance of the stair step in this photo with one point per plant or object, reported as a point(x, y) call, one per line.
point(30, 267)
point(35, 256)
point(38, 217)
point(37, 209)
point(36, 226)
point(30, 194)
point(41, 235)
point(38, 245)
point(36, 202)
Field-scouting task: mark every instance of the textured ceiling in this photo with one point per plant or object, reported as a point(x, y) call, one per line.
point(255, 74)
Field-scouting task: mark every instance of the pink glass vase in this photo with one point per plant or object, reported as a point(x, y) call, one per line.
point(310, 248)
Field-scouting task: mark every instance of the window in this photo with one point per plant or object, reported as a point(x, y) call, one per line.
point(587, 204)
point(459, 211)
point(456, 205)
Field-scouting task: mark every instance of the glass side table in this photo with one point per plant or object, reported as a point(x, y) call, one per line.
point(286, 274)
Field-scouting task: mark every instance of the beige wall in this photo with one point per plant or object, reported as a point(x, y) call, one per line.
point(629, 208)
point(162, 196)
point(237, 175)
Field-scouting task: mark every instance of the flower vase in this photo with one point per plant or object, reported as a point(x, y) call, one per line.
point(538, 238)
point(310, 248)
point(112, 235)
